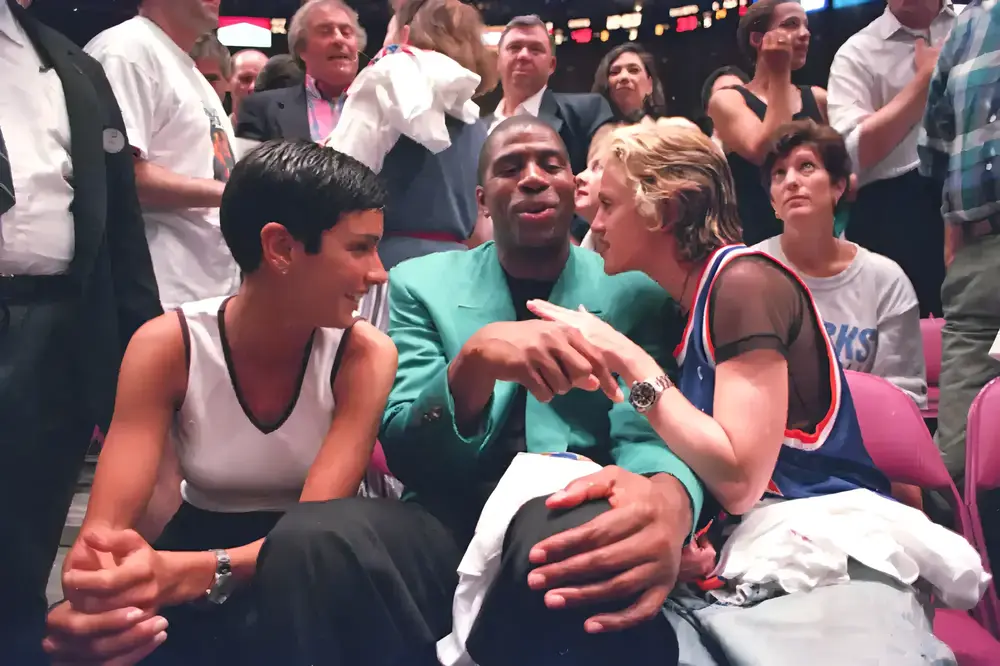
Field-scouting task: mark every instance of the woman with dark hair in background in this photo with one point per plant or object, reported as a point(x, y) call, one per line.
point(774, 35)
point(720, 79)
point(627, 78)
point(869, 307)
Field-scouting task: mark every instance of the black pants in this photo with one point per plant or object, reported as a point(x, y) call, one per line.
point(371, 582)
point(43, 441)
point(202, 635)
point(901, 219)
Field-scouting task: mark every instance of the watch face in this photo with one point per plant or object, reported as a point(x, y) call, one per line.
point(642, 395)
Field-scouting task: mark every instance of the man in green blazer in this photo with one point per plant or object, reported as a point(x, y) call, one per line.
point(454, 311)
point(584, 572)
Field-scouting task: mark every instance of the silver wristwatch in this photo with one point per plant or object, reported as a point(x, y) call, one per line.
point(645, 394)
point(222, 587)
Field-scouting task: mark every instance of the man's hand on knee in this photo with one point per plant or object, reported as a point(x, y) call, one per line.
point(630, 552)
point(117, 638)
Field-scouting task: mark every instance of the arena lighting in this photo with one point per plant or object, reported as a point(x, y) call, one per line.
point(582, 36)
point(658, 30)
point(624, 21)
point(813, 5)
point(686, 10)
point(721, 14)
point(706, 20)
point(687, 23)
point(605, 35)
point(278, 26)
point(729, 4)
point(577, 23)
point(638, 7)
point(559, 37)
point(245, 31)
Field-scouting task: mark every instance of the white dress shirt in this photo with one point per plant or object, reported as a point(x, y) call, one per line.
point(530, 106)
point(37, 236)
point(869, 70)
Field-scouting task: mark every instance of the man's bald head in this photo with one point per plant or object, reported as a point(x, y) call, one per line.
point(246, 67)
point(248, 56)
point(511, 125)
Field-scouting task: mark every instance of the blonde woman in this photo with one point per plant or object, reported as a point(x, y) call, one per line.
point(762, 410)
point(588, 181)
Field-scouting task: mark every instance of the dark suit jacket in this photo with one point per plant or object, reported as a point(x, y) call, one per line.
point(577, 117)
point(274, 114)
point(111, 264)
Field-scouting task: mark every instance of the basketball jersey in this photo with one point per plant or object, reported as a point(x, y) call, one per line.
point(832, 457)
point(229, 462)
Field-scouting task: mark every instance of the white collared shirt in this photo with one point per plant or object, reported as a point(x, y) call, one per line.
point(869, 70)
point(37, 236)
point(176, 121)
point(530, 106)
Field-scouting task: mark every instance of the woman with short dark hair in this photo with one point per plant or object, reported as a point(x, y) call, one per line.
point(869, 307)
point(627, 78)
point(270, 397)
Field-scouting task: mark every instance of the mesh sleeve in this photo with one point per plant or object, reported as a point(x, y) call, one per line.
point(755, 304)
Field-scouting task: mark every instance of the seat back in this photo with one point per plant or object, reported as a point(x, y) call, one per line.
point(982, 472)
point(896, 437)
point(930, 330)
point(901, 446)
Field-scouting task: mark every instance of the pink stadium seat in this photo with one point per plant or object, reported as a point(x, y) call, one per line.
point(930, 329)
point(982, 472)
point(378, 462)
point(901, 446)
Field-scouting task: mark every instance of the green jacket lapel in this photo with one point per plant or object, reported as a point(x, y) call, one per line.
point(545, 430)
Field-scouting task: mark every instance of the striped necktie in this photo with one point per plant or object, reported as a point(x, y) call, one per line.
point(6, 179)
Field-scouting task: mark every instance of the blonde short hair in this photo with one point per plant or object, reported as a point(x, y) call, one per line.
point(677, 163)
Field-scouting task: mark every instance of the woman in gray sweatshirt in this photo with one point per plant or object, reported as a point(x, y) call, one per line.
point(868, 305)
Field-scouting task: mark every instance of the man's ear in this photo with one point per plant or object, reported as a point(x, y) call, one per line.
point(552, 67)
point(481, 201)
point(756, 39)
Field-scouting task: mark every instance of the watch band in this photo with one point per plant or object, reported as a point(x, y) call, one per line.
point(222, 584)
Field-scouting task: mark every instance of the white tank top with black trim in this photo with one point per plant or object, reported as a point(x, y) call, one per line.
point(229, 461)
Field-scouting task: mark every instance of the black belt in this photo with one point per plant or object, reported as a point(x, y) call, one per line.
point(36, 289)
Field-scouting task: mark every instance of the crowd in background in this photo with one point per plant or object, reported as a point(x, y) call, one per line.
point(372, 283)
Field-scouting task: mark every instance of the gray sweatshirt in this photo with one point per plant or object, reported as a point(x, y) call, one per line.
point(871, 315)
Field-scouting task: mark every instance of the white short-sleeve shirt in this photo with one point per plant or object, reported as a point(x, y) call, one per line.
point(176, 121)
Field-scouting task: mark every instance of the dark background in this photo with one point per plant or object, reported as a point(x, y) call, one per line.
point(684, 59)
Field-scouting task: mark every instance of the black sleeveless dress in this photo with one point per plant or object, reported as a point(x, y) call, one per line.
point(754, 201)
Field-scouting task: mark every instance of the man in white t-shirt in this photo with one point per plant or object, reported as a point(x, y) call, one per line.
point(181, 139)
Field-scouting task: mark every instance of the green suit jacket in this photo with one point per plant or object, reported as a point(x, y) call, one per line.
point(438, 301)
